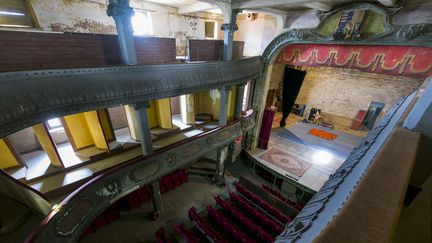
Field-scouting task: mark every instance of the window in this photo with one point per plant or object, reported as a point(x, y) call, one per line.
point(142, 23)
point(211, 30)
point(14, 14)
point(54, 123)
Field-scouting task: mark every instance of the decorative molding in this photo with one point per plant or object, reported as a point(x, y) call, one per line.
point(31, 97)
point(81, 208)
point(230, 27)
point(398, 60)
point(414, 35)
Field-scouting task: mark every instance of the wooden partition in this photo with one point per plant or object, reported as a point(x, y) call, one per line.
point(212, 50)
point(42, 50)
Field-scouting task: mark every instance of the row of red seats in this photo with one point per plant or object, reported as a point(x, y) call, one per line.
point(173, 180)
point(277, 194)
point(262, 204)
point(205, 228)
point(160, 236)
point(186, 234)
point(135, 199)
point(243, 220)
point(110, 215)
point(228, 226)
point(264, 219)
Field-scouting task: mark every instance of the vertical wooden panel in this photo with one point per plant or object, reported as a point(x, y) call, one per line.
point(48, 145)
point(96, 129)
point(8, 158)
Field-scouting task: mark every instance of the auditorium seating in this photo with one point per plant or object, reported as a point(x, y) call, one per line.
point(257, 214)
point(277, 194)
point(135, 199)
point(241, 217)
point(160, 236)
point(243, 220)
point(262, 204)
point(204, 227)
point(229, 226)
point(186, 234)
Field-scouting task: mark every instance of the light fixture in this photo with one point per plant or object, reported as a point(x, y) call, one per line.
point(11, 13)
point(322, 157)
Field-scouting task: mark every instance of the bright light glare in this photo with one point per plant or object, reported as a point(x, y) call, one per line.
point(55, 122)
point(11, 13)
point(322, 157)
point(142, 24)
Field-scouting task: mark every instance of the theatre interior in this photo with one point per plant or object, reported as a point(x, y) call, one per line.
point(216, 121)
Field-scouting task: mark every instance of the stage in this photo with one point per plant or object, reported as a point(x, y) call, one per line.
point(308, 160)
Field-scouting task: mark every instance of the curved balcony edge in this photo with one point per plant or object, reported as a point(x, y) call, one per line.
point(67, 221)
point(31, 97)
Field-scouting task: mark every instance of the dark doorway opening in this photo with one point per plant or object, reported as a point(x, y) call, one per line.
point(293, 80)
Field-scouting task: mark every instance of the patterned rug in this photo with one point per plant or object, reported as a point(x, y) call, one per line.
point(286, 161)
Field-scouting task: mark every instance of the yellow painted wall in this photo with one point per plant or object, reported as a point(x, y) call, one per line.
point(95, 129)
point(79, 130)
point(163, 113)
point(7, 158)
point(232, 103)
point(47, 144)
point(152, 114)
point(105, 123)
point(209, 104)
point(132, 123)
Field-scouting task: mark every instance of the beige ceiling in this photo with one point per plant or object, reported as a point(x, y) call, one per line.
point(280, 7)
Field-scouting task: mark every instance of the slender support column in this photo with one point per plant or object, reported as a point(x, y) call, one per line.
point(121, 11)
point(156, 198)
point(239, 100)
point(144, 129)
point(222, 152)
point(223, 107)
point(229, 29)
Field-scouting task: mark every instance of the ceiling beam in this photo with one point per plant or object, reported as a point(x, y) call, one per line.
point(195, 7)
point(388, 3)
point(262, 4)
point(318, 6)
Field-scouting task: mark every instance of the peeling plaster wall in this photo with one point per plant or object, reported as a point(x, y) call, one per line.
point(256, 33)
point(90, 17)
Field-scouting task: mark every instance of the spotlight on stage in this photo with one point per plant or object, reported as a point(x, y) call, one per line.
point(322, 157)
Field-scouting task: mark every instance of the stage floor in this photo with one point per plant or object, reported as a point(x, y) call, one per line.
point(302, 157)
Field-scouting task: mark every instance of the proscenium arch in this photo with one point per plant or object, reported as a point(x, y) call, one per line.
point(393, 35)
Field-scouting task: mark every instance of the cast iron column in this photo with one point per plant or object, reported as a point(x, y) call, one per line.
point(229, 29)
point(122, 13)
point(156, 198)
point(222, 152)
point(144, 129)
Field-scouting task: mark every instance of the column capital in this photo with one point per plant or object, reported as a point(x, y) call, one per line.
point(119, 9)
point(141, 104)
point(230, 27)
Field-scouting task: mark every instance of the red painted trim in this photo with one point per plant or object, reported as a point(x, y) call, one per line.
point(411, 61)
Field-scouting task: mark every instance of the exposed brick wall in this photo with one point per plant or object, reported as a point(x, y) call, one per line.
point(343, 92)
point(36, 50)
point(212, 50)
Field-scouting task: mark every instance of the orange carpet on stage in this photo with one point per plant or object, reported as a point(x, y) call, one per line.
point(322, 134)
